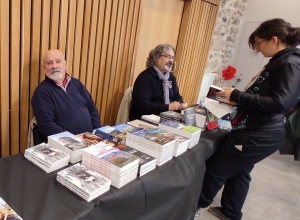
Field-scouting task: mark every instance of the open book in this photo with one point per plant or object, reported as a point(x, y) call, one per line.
point(212, 95)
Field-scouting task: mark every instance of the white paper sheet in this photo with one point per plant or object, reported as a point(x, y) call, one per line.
point(217, 108)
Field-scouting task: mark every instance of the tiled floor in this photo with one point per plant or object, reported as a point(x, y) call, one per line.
point(274, 191)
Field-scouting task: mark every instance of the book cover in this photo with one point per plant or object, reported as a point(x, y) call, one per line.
point(48, 154)
point(143, 157)
point(171, 115)
point(110, 138)
point(141, 124)
point(69, 140)
point(151, 118)
point(124, 127)
point(90, 138)
point(6, 212)
point(190, 116)
point(212, 95)
point(112, 155)
point(84, 179)
point(152, 135)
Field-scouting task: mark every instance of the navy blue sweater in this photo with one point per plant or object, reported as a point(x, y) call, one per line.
point(148, 94)
point(57, 111)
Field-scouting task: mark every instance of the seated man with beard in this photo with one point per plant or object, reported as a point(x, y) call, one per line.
point(155, 90)
point(61, 102)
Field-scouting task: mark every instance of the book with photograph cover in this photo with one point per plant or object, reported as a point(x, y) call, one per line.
point(171, 115)
point(145, 160)
point(47, 157)
point(212, 95)
point(117, 160)
point(90, 138)
point(189, 116)
point(70, 144)
point(153, 119)
point(141, 124)
point(86, 183)
point(111, 134)
point(6, 212)
point(124, 127)
point(69, 141)
point(187, 131)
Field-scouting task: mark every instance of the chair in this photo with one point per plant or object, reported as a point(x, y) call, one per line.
point(30, 141)
point(123, 112)
point(34, 136)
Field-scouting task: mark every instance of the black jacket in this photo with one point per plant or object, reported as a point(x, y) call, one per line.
point(264, 105)
point(148, 94)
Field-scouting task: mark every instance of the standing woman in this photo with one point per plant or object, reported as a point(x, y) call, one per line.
point(259, 125)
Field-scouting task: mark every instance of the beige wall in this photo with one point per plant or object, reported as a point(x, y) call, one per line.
point(159, 23)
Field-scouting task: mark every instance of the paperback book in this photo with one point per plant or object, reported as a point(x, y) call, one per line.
point(70, 144)
point(119, 166)
point(111, 134)
point(141, 124)
point(171, 115)
point(6, 212)
point(46, 157)
point(212, 95)
point(83, 181)
point(181, 142)
point(187, 131)
point(151, 142)
point(153, 119)
point(146, 162)
point(189, 116)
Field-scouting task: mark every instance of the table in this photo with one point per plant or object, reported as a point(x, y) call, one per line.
point(169, 192)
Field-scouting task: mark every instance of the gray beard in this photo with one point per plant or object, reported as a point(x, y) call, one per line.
point(57, 76)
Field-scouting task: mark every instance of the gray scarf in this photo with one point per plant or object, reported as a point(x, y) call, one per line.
point(164, 78)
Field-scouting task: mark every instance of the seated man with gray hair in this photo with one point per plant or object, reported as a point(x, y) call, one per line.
point(61, 102)
point(155, 90)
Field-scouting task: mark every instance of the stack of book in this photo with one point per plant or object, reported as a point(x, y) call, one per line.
point(141, 124)
point(70, 144)
point(153, 119)
point(6, 212)
point(46, 157)
point(120, 167)
point(111, 134)
point(181, 142)
point(124, 127)
point(187, 131)
point(83, 181)
point(170, 115)
point(146, 162)
point(90, 138)
point(151, 142)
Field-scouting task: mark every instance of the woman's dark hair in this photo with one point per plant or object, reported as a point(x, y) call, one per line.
point(279, 28)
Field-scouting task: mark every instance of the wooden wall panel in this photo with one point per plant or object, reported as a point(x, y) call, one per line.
point(4, 78)
point(193, 46)
point(14, 65)
point(159, 23)
point(105, 42)
point(97, 37)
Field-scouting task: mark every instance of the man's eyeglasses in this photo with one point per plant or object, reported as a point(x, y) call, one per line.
point(168, 56)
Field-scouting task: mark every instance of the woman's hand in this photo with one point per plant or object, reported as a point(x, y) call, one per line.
point(225, 93)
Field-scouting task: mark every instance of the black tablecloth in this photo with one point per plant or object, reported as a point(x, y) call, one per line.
point(169, 192)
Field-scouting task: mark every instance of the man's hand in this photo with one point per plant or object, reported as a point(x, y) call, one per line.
point(183, 106)
point(174, 106)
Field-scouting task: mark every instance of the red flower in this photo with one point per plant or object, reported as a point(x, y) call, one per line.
point(228, 73)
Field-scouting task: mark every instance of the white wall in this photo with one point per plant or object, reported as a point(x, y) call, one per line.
point(256, 12)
